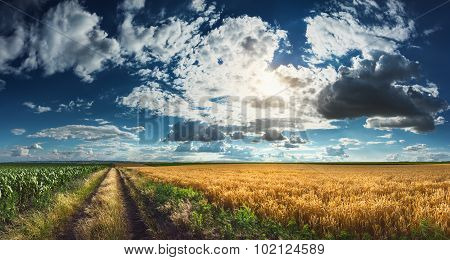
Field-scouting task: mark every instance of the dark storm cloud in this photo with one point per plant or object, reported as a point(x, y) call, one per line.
point(198, 131)
point(237, 135)
point(273, 135)
point(195, 131)
point(368, 89)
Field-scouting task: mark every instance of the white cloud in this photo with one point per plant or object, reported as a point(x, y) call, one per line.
point(67, 38)
point(130, 5)
point(24, 151)
point(209, 78)
point(136, 129)
point(415, 148)
point(434, 157)
point(198, 5)
point(225, 75)
point(185, 147)
point(36, 146)
point(214, 147)
point(336, 151)
point(20, 152)
point(75, 105)
point(336, 33)
point(37, 108)
point(18, 131)
point(440, 120)
point(391, 142)
point(75, 154)
point(387, 136)
point(85, 132)
point(422, 156)
point(432, 30)
point(349, 141)
point(71, 39)
point(155, 73)
point(160, 102)
point(165, 41)
point(40, 109)
point(375, 142)
point(101, 121)
point(239, 153)
point(395, 157)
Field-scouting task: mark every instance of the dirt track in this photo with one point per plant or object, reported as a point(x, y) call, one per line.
point(109, 213)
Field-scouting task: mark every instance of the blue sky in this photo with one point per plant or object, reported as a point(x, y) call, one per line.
point(196, 80)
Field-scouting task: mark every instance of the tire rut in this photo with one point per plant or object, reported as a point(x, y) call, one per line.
point(138, 228)
point(68, 232)
point(162, 227)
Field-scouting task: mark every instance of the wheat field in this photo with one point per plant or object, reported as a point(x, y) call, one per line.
point(383, 201)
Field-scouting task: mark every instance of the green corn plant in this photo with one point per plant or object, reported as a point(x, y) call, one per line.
point(25, 187)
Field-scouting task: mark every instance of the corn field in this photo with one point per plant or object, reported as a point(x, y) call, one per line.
point(23, 187)
point(378, 201)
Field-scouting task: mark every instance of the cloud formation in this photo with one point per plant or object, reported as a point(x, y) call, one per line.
point(349, 141)
point(18, 131)
point(207, 74)
point(336, 151)
point(85, 132)
point(131, 5)
point(37, 108)
point(20, 152)
point(165, 41)
point(195, 131)
point(273, 135)
point(415, 148)
point(387, 136)
point(372, 88)
point(333, 34)
point(67, 38)
point(75, 105)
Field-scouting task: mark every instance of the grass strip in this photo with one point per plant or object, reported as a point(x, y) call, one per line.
point(105, 217)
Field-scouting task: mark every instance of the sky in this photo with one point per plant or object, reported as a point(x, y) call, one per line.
point(197, 80)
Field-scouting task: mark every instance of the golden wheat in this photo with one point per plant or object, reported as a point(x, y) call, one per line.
point(383, 201)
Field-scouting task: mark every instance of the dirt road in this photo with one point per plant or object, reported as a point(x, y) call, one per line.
point(110, 212)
